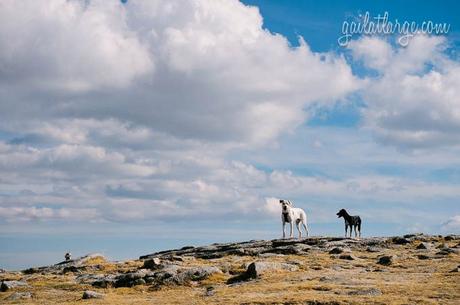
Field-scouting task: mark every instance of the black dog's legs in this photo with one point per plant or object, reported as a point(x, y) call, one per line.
point(346, 228)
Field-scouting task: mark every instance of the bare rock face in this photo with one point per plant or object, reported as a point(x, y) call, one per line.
point(164, 274)
point(268, 247)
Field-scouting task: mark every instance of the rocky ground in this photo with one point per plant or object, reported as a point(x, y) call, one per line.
point(414, 269)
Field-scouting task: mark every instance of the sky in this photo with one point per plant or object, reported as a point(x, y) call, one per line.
point(128, 127)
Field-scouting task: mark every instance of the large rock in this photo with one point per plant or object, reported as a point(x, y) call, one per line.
point(256, 269)
point(7, 285)
point(152, 264)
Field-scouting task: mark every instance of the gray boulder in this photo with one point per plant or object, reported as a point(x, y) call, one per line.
point(152, 264)
point(130, 279)
point(7, 285)
point(256, 269)
point(385, 260)
point(89, 294)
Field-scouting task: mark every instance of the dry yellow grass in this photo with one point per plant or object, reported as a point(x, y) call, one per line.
point(321, 277)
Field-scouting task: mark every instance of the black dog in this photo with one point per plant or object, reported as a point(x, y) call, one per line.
point(352, 221)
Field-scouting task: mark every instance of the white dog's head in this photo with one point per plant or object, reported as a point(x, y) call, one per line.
point(285, 205)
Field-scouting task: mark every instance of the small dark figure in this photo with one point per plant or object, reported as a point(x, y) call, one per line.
point(68, 256)
point(352, 221)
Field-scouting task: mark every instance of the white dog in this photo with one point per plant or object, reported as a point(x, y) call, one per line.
point(290, 214)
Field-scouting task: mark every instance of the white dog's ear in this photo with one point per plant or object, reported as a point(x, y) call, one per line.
point(281, 201)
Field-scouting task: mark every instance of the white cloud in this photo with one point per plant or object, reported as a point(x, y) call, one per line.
point(374, 52)
point(413, 103)
point(69, 45)
point(191, 69)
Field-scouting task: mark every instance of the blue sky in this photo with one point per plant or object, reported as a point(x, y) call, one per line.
point(139, 126)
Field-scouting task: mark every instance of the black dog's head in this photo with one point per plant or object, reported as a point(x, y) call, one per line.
point(341, 213)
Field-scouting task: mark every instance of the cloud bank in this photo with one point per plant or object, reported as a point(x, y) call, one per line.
point(116, 112)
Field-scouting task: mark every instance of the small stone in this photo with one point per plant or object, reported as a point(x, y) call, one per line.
point(385, 260)
point(423, 256)
point(209, 291)
point(348, 257)
point(89, 294)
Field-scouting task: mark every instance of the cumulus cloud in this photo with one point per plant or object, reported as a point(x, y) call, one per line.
point(191, 69)
point(69, 45)
point(413, 102)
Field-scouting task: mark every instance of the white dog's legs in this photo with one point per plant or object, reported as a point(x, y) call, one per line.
point(297, 224)
point(291, 232)
point(305, 227)
point(284, 229)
